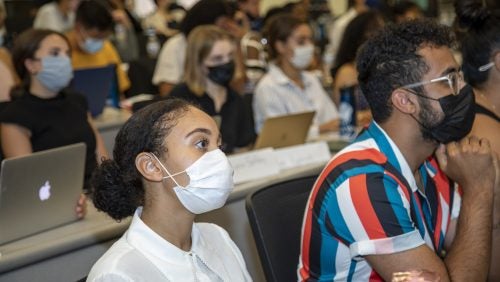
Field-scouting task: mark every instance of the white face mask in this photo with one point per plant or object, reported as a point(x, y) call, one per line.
point(211, 182)
point(302, 56)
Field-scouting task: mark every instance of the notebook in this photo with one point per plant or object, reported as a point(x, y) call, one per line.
point(96, 84)
point(40, 191)
point(283, 131)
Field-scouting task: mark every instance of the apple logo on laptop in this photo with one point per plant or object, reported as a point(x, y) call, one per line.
point(44, 191)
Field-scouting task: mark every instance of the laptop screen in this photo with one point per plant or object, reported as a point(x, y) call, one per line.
point(283, 131)
point(40, 191)
point(96, 84)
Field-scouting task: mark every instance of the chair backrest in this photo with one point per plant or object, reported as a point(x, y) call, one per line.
point(275, 214)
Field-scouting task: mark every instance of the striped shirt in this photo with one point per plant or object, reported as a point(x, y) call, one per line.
point(366, 202)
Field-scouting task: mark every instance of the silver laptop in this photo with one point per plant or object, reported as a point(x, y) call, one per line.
point(284, 131)
point(40, 191)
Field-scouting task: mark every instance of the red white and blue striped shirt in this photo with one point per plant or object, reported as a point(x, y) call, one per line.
point(366, 202)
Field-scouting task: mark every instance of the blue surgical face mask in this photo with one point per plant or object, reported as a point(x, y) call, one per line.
point(56, 72)
point(92, 45)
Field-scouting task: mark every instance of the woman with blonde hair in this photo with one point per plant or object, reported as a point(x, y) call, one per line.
point(210, 66)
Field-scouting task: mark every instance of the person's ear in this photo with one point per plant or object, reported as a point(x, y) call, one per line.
point(404, 101)
point(496, 61)
point(31, 66)
point(148, 167)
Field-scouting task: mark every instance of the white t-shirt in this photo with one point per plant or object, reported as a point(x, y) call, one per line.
point(50, 17)
point(170, 65)
point(142, 255)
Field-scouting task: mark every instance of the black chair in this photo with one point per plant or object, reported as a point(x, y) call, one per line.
point(275, 214)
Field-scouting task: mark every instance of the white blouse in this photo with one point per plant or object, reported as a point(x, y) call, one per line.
point(277, 95)
point(142, 255)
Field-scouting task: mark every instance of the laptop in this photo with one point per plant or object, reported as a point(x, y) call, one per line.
point(96, 84)
point(40, 191)
point(284, 131)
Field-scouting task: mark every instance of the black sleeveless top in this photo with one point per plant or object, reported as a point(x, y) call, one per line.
point(482, 110)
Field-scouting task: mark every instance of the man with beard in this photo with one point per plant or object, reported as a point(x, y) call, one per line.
point(412, 192)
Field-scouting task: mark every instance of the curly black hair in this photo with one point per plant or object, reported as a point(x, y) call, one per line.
point(481, 41)
point(390, 60)
point(116, 184)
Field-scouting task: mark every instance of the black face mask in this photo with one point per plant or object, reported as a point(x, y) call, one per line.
point(221, 74)
point(458, 118)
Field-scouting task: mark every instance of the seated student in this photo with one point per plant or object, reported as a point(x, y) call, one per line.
point(344, 72)
point(387, 203)
point(337, 28)
point(160, 19)
point(253, 52)
point(406, 10)
point(481, 66)
point(287, 88)
point(58, 15)
point(5, 35)
point(45, 115)
point(251, 8)
point(8, 76)
point(90, 47)
point(124, 37)
point(209, 69)
point(169, 69)
point(167, 168)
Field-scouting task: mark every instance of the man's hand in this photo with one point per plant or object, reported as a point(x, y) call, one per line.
point(471, 163)
point(474, 166)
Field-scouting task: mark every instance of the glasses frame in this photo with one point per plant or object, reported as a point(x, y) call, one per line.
point(448, 77)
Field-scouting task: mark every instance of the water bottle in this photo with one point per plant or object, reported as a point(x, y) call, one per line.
point(153, 45)
point(120, 34)
point(347, 112)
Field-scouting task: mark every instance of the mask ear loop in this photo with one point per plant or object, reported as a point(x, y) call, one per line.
point(166, 170)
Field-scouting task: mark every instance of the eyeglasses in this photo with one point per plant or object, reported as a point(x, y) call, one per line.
point(453, 79)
